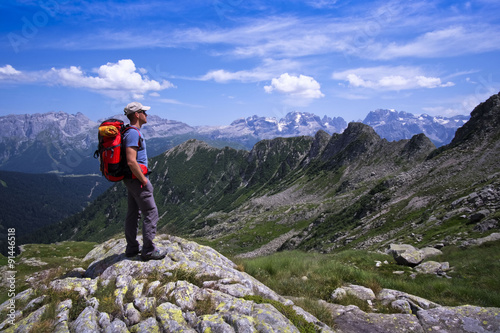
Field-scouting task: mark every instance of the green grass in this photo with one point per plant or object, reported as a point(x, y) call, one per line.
point(58, 259)
point(474, 280)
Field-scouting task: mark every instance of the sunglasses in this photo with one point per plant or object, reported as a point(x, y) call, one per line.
point(143, 112)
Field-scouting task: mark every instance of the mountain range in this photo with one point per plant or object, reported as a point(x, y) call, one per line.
point(328, 193)
point(319, 193)
point(64, 143)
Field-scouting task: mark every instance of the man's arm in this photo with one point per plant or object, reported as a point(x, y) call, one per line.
point(131, 153)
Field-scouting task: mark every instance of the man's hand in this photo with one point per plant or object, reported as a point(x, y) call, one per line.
point(131, 153)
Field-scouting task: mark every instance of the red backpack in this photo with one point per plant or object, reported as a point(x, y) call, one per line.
point(111, 153)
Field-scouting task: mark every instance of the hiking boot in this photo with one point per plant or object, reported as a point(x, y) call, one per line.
point(156, 255)
point(133, 254)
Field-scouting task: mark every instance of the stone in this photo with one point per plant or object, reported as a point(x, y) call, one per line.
point(432, 267)
point(145, 304)
point(26, 324)
point(149, 325)
point(357, 321)
point(478, 216)
point(428, 252)
point(214, 323)
point(491, 238)
point(117, 326)
point(132, 316)
point(409, 258)
point(460, 319)
point(387, 296)
point(104, 320)
point(486, 225)
point(359, 292)
point(397, 249)
point(86, 321)
point(171, 318)
point(402, 306)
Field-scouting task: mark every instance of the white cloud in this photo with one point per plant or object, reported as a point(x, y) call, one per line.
point(296, 86)
point(8, 70)
point(118, 80)
point(389, 78)
point(266, 71)
point(321, 4)
point(176, 102)
point(444, 42)
point(223, 76)
point(112, 79)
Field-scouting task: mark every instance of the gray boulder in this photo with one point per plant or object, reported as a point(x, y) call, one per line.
point(409, 258)
point(433, 267)
point(466, 319)
point(486, 225)
point(359, 292)
point(356, 321)
point(429, 252)
point(405, 254)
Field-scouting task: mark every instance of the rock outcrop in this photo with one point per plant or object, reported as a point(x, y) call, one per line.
point(196, 289)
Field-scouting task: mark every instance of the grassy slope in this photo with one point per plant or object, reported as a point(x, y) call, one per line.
point(474, 280)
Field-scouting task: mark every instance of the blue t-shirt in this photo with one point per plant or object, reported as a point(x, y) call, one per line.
point(131, 139)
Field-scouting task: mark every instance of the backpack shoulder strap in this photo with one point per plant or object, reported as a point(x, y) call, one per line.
point(127, 127)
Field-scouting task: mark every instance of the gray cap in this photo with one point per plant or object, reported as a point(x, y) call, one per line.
point(135, 107)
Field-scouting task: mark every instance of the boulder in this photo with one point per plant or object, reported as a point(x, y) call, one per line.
point(387, 296)
point(491, 238)
point(460, 319)
point(486, 225)
point(478, 216)
point(359, 292)
point(428, 252)
point(86, 321)
point(357, 321)
point(432, 267)
point(397, 249)
point(409, 258)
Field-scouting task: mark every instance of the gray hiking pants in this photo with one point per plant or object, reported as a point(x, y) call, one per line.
point(140, 202)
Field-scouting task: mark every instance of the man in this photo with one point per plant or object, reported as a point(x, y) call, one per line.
point(140, 190)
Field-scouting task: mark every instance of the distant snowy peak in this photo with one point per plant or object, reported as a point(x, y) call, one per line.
point(293, 124)
point(396, 125)
point(29, 126)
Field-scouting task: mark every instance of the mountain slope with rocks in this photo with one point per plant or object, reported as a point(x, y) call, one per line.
point(327, 192)
point(196, 289)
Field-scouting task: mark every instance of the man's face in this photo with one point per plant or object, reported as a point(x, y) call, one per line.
point(143, 117)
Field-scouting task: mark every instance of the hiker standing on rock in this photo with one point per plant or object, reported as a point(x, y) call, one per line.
point(140, 190)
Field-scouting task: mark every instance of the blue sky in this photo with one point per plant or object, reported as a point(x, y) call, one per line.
point(212, 62)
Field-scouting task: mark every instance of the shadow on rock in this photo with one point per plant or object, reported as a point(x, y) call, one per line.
point(98, 267)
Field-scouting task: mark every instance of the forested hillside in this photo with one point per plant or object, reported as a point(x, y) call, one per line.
point(32, 201)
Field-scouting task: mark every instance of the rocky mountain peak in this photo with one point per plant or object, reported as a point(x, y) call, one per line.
point(418, 147)
point(484, 121)
point(189, 148)
point(356, 139)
